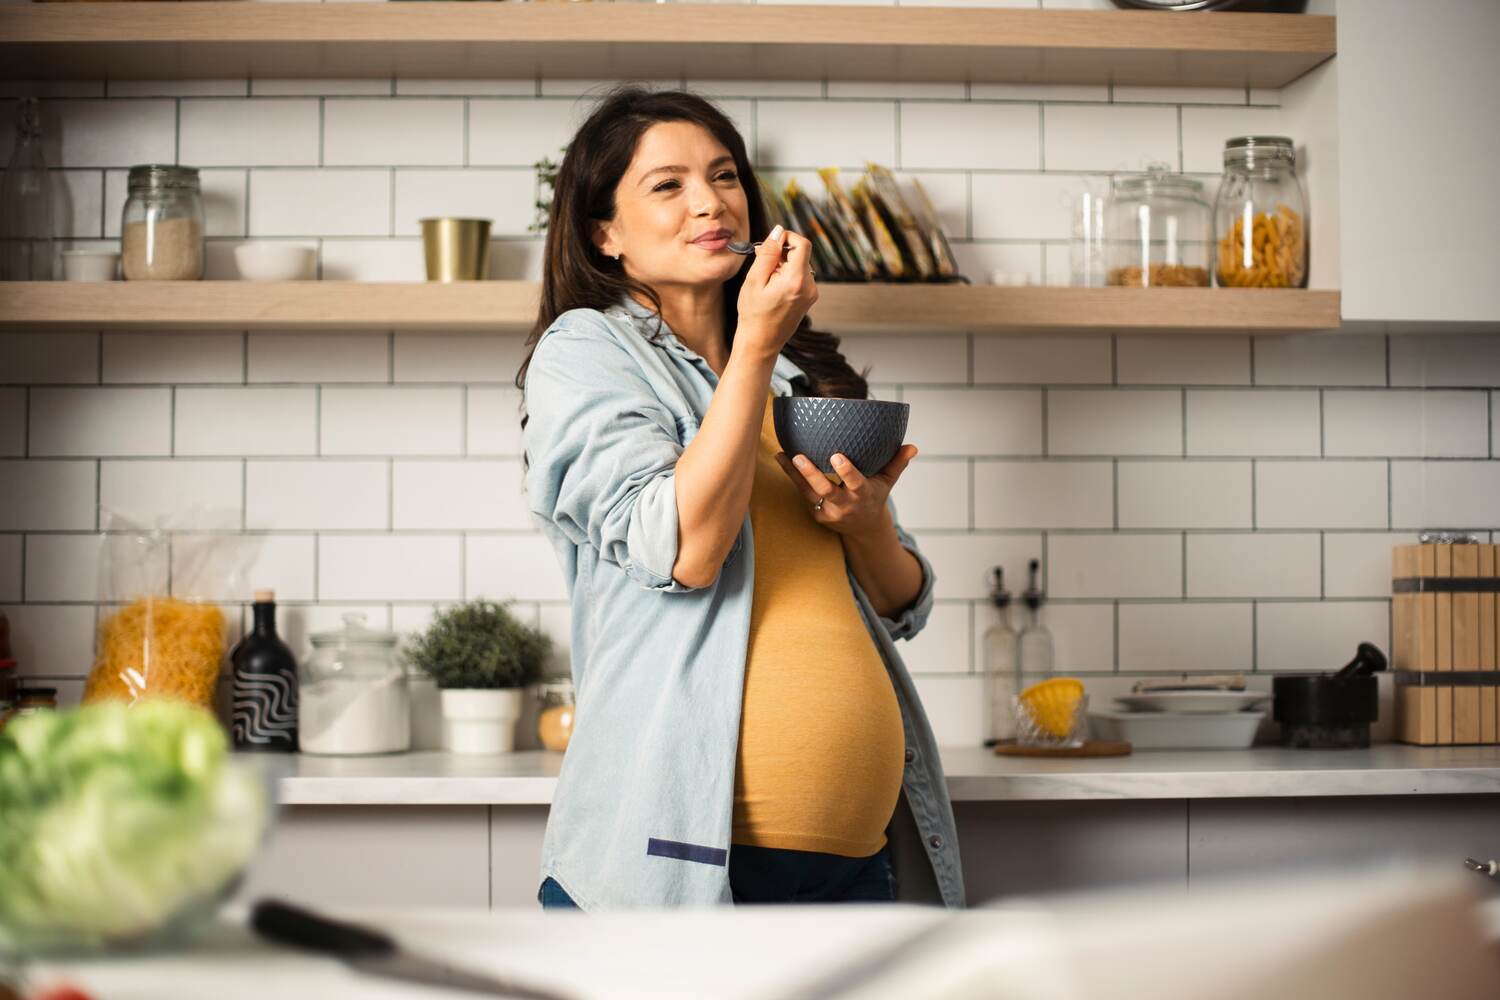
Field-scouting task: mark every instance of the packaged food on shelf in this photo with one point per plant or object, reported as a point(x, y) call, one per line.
point(162, 632)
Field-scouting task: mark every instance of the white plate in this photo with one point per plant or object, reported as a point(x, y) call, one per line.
point(1192, 701)
point(1172, 731)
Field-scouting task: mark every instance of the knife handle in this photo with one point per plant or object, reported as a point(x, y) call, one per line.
point(292, 925)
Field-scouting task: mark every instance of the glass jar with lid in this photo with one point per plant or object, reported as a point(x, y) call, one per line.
point(161, 225)
point(554, 726)
point(353, 696)
point(1260, 216)
point(1157, 226)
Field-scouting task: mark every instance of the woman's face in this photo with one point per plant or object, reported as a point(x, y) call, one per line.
point(678, 204)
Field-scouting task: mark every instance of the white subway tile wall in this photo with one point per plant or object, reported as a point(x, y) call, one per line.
point(1215, 503)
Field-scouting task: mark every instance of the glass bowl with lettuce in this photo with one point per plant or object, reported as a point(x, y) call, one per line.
point(122, 827)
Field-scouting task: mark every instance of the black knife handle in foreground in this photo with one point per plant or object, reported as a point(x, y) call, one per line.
point(287, 924)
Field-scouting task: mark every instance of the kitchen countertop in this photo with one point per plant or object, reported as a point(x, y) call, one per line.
point(974, 775)
point(1227, 938)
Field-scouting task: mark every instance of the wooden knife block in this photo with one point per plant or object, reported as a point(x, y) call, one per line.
point(1444, 637)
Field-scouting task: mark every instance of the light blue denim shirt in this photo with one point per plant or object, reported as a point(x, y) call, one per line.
point(641, 814)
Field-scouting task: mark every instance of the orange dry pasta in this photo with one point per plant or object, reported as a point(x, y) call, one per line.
point(158, 647)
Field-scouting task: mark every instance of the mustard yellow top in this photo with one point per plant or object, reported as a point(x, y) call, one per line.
point(821, 747)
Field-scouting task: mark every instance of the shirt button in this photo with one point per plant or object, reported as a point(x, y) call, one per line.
point(935, 840)
point(911, 755)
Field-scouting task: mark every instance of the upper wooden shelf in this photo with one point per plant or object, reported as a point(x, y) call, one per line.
point(511, 305)
point(153, 40)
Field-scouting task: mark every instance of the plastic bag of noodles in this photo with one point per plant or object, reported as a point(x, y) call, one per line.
point(162, 631)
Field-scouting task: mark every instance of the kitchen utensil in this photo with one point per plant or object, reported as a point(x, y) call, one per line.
point(1191, 702)
point(748, 249)
point(90, 265)
point(1173, 731)
point(264, 261)
point(1195, 682)
point(456, 249)
point(868, 432)
point(1051, 707)
point(1322, 711)
point(1444, 639)
point(375, 954)
point(1090, 748)
point(1490, 868)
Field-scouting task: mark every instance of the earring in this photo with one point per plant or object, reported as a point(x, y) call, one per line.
point(617, 256)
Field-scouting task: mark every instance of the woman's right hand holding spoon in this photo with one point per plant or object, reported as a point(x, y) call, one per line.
point(776, 293)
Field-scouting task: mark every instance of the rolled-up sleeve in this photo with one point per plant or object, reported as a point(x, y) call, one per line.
point(602, 450)
point(914, 618)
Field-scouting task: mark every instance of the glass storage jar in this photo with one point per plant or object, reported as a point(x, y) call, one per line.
point(554, 726)
point(353, 696)
point(1157, 226)
point(1260, 195)
point(161, 226)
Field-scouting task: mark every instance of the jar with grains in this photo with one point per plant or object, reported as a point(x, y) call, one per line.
point(1260, 216)
point(1157, 228)
point(161, 227)
point(555, 724)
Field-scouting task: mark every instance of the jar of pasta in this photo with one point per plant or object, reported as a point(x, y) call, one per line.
point(1260, 216)
point(555, 723)
point(1157, 229)
point(161, 225)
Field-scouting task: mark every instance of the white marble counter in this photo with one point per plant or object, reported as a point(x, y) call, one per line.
point(974, 775)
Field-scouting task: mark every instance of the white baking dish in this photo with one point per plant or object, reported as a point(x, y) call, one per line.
point(1177, 731)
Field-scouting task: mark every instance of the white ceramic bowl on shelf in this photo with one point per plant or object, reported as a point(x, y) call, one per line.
point(90, 265)
point(276, 261)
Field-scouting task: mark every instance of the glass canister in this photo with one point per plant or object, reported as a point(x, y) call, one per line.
point(554, 725)
point(1157, 226)
point(1261, 196)
point(161, 226)
point(353, 693)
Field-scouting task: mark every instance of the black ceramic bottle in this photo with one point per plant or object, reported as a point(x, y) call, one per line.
point(265, 685)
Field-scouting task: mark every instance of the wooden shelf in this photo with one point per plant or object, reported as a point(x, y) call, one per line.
point(511, 305)
point(155, 40)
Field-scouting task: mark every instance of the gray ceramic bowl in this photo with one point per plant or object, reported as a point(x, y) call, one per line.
point(868, 431)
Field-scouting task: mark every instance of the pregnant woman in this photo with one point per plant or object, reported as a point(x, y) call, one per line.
point(746, 731)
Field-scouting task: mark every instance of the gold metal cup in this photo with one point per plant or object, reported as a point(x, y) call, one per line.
point(456, 249)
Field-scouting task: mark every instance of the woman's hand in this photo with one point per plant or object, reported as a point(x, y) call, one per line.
point(857, 505)
point(777, 293)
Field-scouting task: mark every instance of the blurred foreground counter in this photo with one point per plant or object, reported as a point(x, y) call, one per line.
point(1299, 934)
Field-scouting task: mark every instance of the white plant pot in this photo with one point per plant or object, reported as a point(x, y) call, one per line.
point(476, 721)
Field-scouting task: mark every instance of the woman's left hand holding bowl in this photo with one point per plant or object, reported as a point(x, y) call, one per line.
point(856, 505)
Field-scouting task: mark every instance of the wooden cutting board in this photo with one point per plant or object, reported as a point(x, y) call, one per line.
point(1091, 748)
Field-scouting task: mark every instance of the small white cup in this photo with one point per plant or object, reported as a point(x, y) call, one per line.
point(90, 265)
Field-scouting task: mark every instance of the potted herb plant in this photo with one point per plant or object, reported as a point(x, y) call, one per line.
point(482, 658)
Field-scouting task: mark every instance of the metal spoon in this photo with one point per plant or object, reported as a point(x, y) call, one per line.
point(748, 249)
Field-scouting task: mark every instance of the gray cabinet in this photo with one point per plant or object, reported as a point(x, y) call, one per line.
point(483, 857)
point(1418, 216)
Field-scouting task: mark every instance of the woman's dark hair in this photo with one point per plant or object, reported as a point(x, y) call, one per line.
point(577, 275)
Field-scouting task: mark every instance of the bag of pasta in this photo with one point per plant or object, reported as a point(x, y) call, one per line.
point(162, 632)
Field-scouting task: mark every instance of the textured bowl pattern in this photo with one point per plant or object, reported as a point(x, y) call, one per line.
point(868, 431)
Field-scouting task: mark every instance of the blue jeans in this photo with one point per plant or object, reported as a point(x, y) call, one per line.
point(776, 875)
